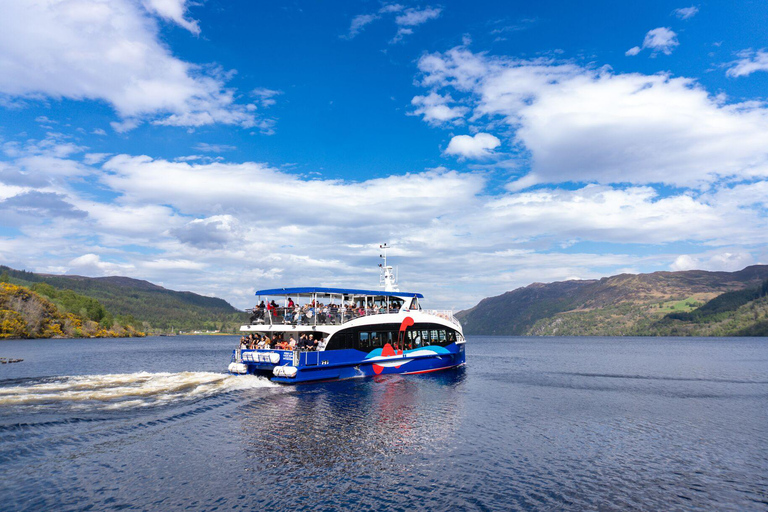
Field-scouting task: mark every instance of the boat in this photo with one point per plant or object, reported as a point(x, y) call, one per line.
point(342, 333)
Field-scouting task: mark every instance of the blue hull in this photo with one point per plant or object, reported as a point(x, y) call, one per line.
point(350, 363)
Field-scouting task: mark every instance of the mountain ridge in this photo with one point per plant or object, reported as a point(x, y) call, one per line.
point(632, 301)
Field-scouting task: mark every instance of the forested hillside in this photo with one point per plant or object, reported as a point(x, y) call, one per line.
point(48, 313)
point(156, 309)
point(690, 303)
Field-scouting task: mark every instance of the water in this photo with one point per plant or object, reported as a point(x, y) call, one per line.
point(529, 424)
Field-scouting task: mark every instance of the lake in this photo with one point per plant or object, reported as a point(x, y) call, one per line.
point(528, 424)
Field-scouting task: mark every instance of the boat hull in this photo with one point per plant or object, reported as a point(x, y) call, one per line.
point(298, 367)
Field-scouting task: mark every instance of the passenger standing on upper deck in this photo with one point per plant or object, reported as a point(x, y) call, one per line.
point(290, 302)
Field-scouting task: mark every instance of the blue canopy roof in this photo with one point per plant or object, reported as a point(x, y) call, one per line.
point(336, 291)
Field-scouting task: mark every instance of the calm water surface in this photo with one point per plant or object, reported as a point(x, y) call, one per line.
point(529, 424)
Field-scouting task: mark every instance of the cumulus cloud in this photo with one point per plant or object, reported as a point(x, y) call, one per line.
point(660, 39)
point(91, 264)
point(209, 233)
point(37, 206)
point(727, 261)
point(478, 146)
point(685, 13)
point(111, 51)
point(580, 124)
point(749, 62)
point(435, 108)
point(229, 227)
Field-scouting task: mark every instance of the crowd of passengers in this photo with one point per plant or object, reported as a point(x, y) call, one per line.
point(326, 313)
point(259, 341)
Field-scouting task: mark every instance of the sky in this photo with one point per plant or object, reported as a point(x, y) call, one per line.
point(223, 147)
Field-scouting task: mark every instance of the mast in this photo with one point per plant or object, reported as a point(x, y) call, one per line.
point(387, 278)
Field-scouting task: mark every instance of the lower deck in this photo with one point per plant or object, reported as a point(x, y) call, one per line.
point(292, 366)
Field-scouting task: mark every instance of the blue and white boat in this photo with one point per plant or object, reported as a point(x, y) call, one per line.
point(346, 333)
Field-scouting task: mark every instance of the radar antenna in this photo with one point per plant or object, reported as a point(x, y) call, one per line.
point(387, 278)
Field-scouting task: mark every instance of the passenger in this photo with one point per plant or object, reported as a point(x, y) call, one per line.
point(290, 302)
point(292, 343)
point(243, 345)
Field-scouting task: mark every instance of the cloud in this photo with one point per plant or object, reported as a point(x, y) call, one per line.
point(45, 120)
point(95, 158)
point(35, 207)
point(213, 148)
point(685, 13)
point(98, 131)
point(266, 96)
point(111, 51)
point(405, 20)
point(358, 23)
point(173, 10)
point(467, 146)
point(249, 224)
point(414, 17)
point(208, 233)
point(576, 124)
point(720, 260)
point(749, 62)
point(660, 39)
point(92, 264)
point(435, 110)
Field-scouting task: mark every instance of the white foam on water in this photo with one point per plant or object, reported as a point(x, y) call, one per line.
point(127, 390)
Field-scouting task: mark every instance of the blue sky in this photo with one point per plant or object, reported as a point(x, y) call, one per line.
point(222, 147)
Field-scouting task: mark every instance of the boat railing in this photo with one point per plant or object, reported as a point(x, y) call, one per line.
point(289, 316)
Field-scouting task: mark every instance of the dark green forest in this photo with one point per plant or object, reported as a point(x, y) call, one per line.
point(151, 308)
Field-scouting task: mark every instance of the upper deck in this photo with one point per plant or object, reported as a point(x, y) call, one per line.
point(334, 306)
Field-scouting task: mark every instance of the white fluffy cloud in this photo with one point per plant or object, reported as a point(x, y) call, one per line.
point(590, 125)
point(436, 110)
point(749, 61)
point(223, 228)
point(478, 146)
point(660, 39)
point(97, 50)
point(726, 261)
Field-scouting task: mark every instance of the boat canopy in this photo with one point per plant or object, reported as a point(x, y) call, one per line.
point(336, 291)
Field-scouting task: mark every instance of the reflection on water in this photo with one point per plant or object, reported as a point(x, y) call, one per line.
point(350, 425)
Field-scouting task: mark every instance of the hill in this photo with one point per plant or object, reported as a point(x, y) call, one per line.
point(626, 304)
point(157, 309)
point(57, 313)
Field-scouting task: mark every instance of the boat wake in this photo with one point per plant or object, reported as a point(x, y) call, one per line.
point(127, 390)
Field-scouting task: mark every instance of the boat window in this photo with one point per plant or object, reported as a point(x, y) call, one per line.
point(433, 336)
point(442, 336)
point(364, 341)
